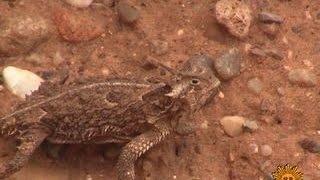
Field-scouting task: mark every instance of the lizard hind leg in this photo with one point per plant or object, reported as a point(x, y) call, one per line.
point(28, 144)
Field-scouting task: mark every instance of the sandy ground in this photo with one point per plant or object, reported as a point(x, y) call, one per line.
point(189, 27)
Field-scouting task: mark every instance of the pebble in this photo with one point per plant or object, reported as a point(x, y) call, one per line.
point(255, 86)
point(228, 65)
point(302, 77)
point(271, 30)
point(235, 16)
point(254, 148)
point(265, 105)
point(258, 52)
point(232, 125)
point(266, 150)
point(274, 53)
point(160, 47)
point(20, 82)
point(297, 28)
point(127, 12)
point(251, 125)
point(268, 17)
point(20, 34)
point(185, 128)
point(310, 145)
point(78, 26)
point(198, 64)
point(265, 165)
point(79, 3)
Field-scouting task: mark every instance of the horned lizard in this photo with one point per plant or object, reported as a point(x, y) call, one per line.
point(138, 112)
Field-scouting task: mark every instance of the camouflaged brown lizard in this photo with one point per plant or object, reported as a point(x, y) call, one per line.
point(138, 112)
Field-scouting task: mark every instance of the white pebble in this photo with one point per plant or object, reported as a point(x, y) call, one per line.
point(232, 125)
point(266, 150)
point(79, 3)
point(20, 82)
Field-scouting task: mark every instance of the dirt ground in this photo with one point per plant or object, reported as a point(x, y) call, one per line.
point(189, 27)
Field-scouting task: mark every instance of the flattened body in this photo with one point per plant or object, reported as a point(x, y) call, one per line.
point(100, 112)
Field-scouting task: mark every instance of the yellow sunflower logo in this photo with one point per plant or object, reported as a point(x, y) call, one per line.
point(287, 172)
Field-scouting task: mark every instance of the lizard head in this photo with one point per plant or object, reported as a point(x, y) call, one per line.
point(196, 82)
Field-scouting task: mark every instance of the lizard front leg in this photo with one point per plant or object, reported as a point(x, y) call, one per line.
point(138, 146)
point(29, 142)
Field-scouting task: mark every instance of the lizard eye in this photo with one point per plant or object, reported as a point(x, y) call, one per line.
point(195, 82)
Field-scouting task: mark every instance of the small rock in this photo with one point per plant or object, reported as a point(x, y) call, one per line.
point(20, 34)
point(127, 12)
point(265, 105)
point(63, 75)
point(160, 47)
point(228, 65)
point(255, 86)
point(21, 82)
point(302, 77)
point(310, 145)
point(266, 150)
point(235, 16)
point(268, 17)
point(79, 3)
point(232, 125)
point(198, 64)
point(185, 128)
point(297, 29)
point(251, 125)
point(271, 30)
point(274, 53)
point(253, 148)
point(78, 26)
point(265, 165)
point(258, 52)
point(280, 91)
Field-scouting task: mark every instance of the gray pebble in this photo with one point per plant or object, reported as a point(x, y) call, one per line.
point(193, 64)
point(251, 125)
point(232, 125)
point(20, 34)
point(269, 17)
point(127, 12)
point(160, 47)
point(185, 128)
point(258, 52)
point(271, 30)
point(297, 29)
point(266, 150)
point(228, 65)
point(255, 85)
point(310, 145)
point(274, 53)
point(302, 77)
